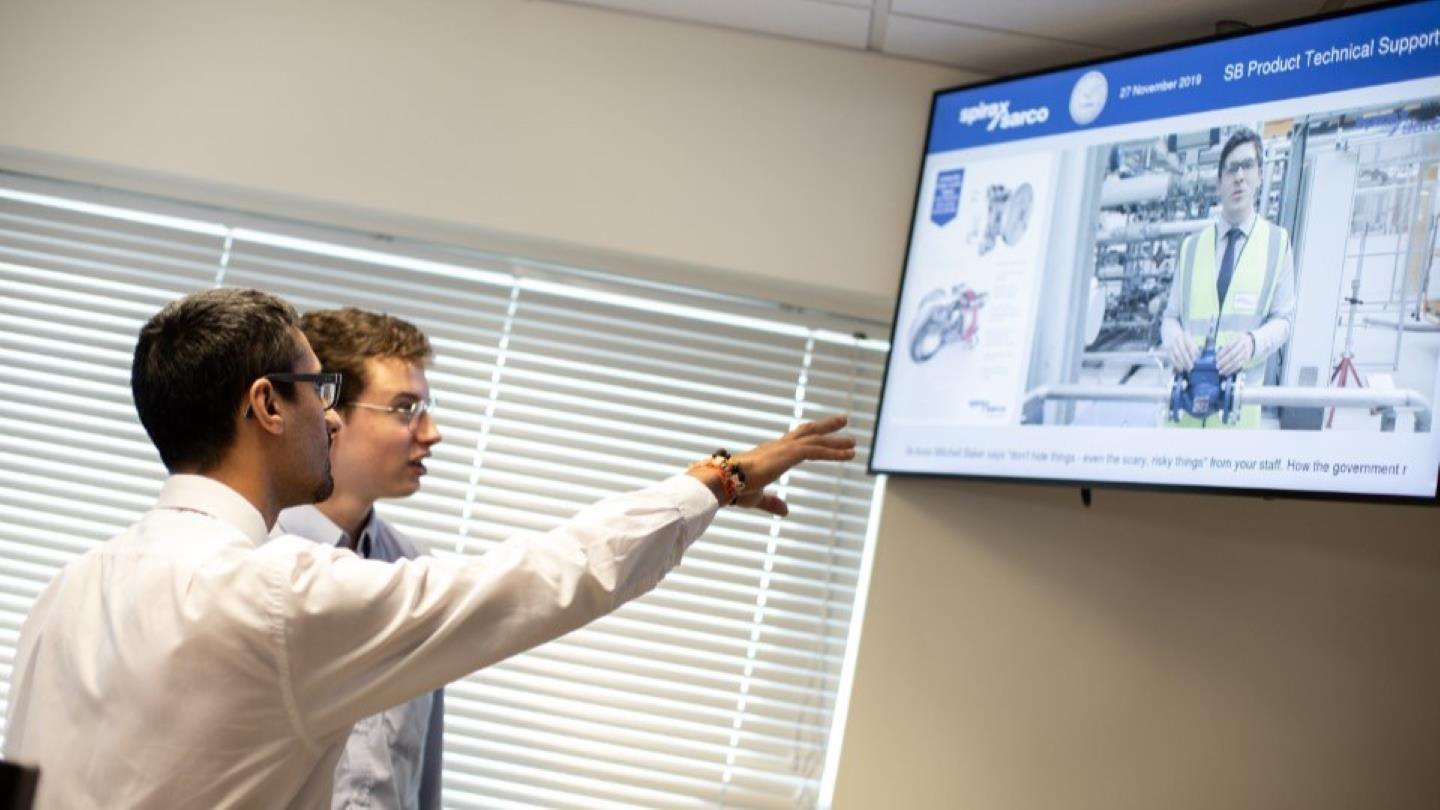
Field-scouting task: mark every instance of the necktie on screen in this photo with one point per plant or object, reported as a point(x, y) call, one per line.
point(1227, 263)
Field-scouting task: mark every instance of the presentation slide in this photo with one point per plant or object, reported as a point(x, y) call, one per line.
point(1208, 266)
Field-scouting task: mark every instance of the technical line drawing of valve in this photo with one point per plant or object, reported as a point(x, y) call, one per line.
point(1008, 215)
point(946, 316)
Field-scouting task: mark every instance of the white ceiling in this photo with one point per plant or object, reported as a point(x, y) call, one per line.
point(985, 37)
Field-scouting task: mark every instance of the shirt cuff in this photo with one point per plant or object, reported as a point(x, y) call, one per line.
point(695, 501)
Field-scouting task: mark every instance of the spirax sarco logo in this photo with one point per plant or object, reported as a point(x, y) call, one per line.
point(1000, 116)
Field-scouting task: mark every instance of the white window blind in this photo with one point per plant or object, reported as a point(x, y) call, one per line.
point(557, 387)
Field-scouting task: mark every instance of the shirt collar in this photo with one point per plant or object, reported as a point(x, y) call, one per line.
point(201, 494)
point(1245, 226)
point(310, 523)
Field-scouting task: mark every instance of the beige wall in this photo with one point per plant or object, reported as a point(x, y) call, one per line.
point(1019, 652)
point(753, 163)
point(1154, 651)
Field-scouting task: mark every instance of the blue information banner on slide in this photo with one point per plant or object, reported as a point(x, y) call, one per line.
point(1385, 46)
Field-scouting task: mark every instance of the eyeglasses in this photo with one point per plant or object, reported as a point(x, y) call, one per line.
point(327, 384)
point(1237, 166)
point(407, 414)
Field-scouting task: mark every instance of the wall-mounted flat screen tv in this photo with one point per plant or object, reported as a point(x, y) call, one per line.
point(1206, 266)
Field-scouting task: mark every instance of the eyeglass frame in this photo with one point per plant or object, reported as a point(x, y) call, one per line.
point(1235, 167)
point(319, 379)
point(408, 415)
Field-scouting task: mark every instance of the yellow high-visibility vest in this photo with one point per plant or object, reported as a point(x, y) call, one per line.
point(1246, 305)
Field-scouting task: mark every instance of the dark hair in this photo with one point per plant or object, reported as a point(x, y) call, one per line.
point(344, 338)
point(1240, 136)
point(194, 362)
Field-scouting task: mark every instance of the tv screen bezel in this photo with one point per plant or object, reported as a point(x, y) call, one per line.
point(1088, 484)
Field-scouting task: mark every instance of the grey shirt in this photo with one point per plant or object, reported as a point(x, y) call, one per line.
point(392, 759)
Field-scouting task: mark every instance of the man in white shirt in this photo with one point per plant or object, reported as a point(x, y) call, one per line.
point(190, 663)
point(393, 759)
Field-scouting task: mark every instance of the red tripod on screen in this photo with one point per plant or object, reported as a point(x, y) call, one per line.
point(1345, 370)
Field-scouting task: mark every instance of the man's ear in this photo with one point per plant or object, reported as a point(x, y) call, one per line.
point(261, 406)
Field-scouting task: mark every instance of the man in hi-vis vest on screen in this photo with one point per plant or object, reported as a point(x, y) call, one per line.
point(1234, 283)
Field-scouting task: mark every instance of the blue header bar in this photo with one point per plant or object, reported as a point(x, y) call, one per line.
point(1345, 53)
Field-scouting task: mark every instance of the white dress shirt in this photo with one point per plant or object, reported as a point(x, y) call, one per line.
point(188, 663)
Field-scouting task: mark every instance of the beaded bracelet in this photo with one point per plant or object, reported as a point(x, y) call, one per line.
point(732, 478)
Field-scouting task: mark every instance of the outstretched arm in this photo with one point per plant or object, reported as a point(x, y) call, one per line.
point(763, 465)
point(356, 636)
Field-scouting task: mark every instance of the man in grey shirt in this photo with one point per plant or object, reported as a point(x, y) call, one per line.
point(392, 759)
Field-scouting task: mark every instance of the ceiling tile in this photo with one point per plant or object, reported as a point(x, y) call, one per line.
point(835, 22)
point(994, 38)
point(1121, 24)
point(994, 53)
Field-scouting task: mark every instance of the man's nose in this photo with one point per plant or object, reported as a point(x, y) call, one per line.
point(427, 432)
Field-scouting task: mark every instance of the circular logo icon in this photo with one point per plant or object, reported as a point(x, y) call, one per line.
point(1088, 97)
